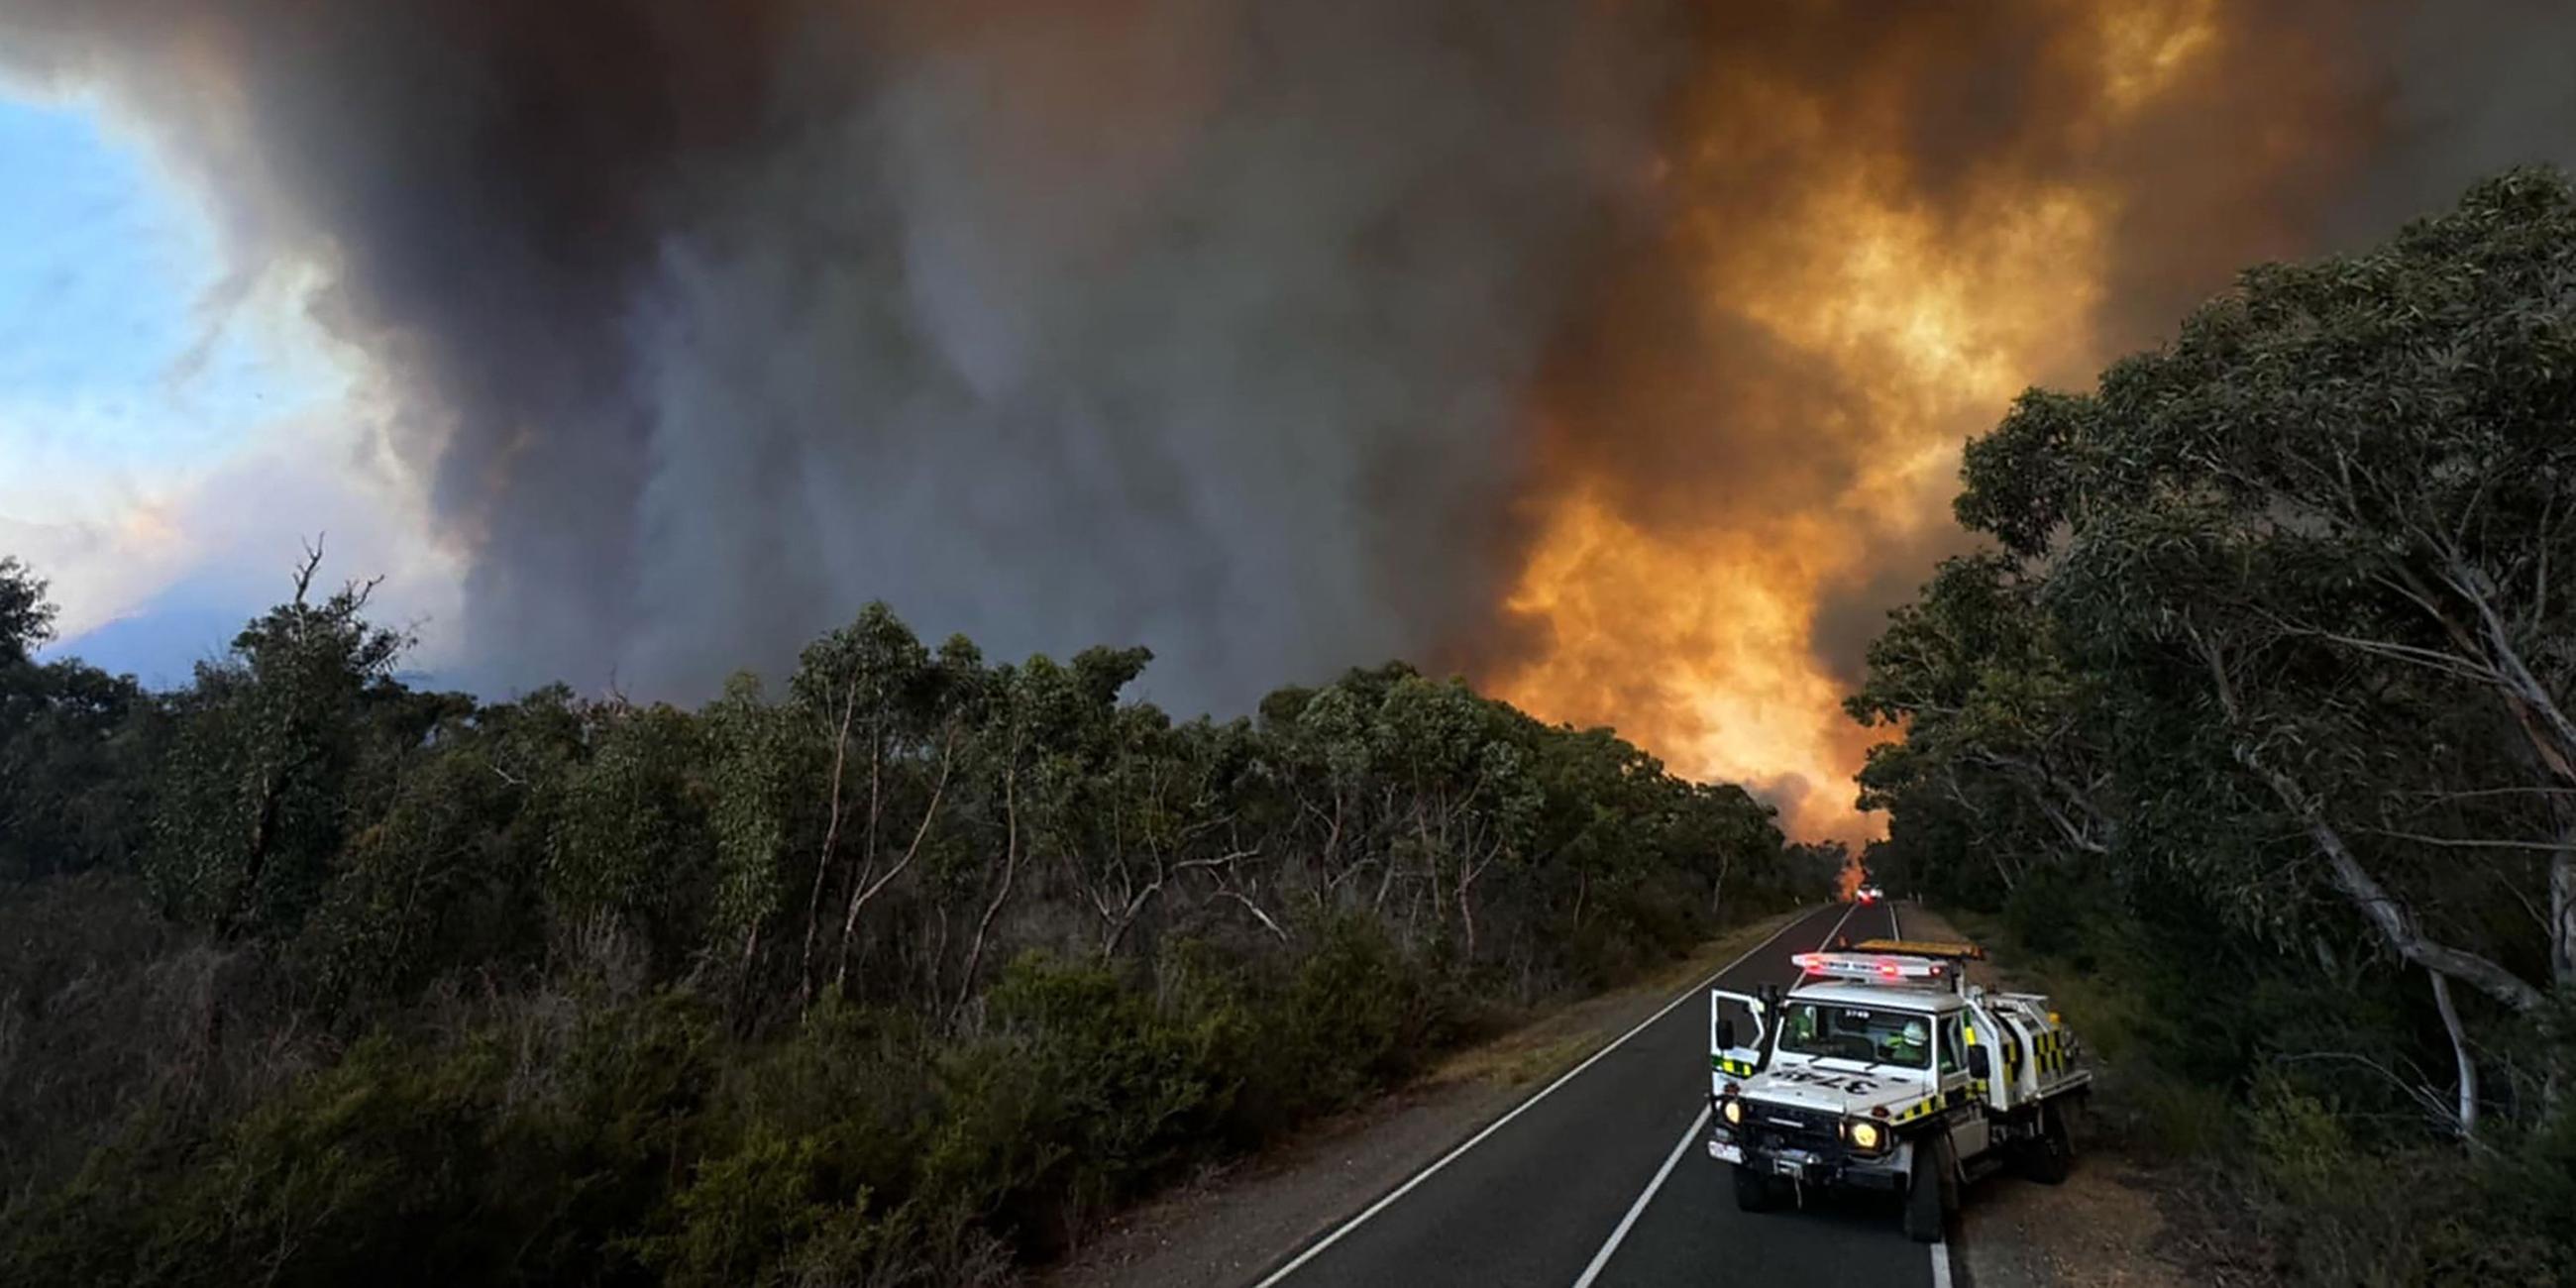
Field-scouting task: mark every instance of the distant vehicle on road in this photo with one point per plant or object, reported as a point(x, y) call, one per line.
point(1869, 894)
point(1883, 1068)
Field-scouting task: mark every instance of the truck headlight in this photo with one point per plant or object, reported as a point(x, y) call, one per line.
point(1732, 1111)
point(1866, 1136)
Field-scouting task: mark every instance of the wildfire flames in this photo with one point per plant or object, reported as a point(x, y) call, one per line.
point(1697, 635)
point(1696, 647)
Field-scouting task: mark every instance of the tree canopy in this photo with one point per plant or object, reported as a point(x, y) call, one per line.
point(2277, 632)
point(897, 971)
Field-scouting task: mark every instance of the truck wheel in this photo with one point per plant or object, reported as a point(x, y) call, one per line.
point(2051, 1156)
point(1926, 1185)
point(1753, 1190)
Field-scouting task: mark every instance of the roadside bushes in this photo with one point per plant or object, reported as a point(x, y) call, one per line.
point(2341, 1210)
point(512, 1152)
point(1083, 1091)
point(578, 1136)
point(1354, 1017)
point(900, 972)
point(2286, 1109)
point(766, 1213)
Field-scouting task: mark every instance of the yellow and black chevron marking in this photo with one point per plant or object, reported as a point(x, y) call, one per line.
point(2054, 1050)
point(1978, 1085)
point(1928, 1106)
point(1740, 1068)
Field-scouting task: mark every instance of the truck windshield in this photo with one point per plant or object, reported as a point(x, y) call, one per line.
point(1900, 1038)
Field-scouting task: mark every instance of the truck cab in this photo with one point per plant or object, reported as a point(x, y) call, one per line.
point(1883, 1068)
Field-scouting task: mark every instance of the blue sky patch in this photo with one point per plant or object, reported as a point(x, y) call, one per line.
point(120, 351)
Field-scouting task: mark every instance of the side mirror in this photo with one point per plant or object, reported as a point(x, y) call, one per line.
point(1726, 1035)
point(1978, 1065)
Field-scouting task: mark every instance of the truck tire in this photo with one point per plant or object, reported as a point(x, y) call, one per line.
point(2049, 1157)
point(1927, 1184)
point(1754, 1192)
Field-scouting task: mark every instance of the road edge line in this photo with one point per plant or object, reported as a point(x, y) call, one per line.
point(1388, 1199)
point(1940, 1247)
point(1619, 1235)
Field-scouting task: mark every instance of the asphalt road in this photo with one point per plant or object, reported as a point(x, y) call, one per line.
point(1603, 1177)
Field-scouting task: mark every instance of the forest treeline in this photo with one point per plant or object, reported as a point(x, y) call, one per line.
point(900, 973)
point(2259, 714)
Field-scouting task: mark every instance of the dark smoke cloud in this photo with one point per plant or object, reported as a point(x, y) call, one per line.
point(489, 185)
point(1205, 325)
point(1246, 330)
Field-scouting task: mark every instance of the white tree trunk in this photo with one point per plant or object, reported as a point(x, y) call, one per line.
point(2392, 917)
point(2467, 1112)
point(2562, 917)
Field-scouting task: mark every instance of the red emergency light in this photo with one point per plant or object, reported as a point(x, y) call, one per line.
point(1859, 966)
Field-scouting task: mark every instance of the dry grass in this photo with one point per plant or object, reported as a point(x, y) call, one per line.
point(1549, 1041)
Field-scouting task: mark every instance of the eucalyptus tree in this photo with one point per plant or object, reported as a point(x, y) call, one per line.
point(252, 811)
point(2336, 517)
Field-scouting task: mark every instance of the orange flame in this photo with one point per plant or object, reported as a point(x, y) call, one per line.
point(1698, 640)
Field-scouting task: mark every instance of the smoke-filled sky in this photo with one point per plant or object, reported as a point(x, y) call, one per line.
point(1615, 351)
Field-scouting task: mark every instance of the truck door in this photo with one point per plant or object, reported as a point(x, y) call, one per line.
point(1969, 1134)
point(1738, 1038)
point(1988, 1032)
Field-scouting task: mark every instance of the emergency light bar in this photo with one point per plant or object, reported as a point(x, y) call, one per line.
point(1870, 966)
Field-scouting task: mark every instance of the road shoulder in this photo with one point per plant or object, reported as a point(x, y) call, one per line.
point(2104, 1226)
point(1224, 1226)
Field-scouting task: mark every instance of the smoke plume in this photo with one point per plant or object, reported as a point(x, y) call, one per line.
point(1618, 351)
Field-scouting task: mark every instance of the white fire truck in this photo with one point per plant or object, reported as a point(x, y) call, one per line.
point(1883, 1068)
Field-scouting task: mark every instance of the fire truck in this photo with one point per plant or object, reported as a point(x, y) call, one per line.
point(1883, 1068)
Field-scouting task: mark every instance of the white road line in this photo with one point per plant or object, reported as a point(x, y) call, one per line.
point(1696, 1124)
point(1602, 1258)
point(1940, 1248)
point(1827, 941)
point(1497, 1125)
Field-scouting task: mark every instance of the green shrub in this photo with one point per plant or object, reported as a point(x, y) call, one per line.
point(1084, 1093)
point(2062, 912)
point(2324, 1161)
point(746, 1217)
point(1353, 1018)
point(2420, 1215)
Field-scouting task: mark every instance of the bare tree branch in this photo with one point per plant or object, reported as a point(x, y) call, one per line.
point(2395, 921)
